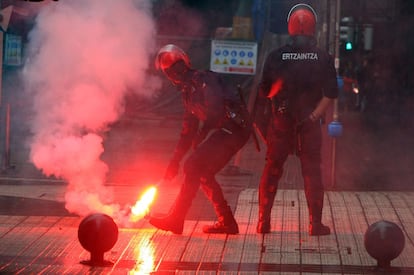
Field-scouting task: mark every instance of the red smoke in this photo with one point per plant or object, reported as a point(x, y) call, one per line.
point(82, 58)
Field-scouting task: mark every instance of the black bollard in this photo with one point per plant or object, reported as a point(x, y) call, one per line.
point(384, 241)
point(97, 233)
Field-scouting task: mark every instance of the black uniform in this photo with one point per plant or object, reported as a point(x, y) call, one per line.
point(306, 74)
point(216, 124)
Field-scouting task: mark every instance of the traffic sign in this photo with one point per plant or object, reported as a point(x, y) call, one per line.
point(233, 57)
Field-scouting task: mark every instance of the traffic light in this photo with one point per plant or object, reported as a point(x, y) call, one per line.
point(346, 33)
point(349, 46)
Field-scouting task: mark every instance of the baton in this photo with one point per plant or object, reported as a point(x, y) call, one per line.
point(255, 139)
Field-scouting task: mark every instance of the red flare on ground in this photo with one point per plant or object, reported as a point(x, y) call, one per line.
point(141, 207)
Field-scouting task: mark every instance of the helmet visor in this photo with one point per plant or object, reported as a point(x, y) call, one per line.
point(177, 72)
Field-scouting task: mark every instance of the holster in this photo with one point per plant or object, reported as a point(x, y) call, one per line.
point(240, 116)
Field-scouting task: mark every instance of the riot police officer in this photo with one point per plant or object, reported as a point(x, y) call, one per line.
point(215, 125)
point(297, 86)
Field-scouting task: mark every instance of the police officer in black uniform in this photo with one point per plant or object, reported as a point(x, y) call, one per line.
point(216, 125)
point(298, 85)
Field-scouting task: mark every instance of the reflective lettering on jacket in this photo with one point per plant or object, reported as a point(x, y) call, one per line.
point(299, 56)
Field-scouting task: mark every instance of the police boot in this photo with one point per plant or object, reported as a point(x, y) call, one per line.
point(174, 220)
point(266, 198)
point(316, 227)
point(168, 223)
point(263, 225)
point(226, 223)
point(265, 208)
point(314, 198)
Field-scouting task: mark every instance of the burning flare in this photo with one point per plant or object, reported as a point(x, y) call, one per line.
point(141, 207)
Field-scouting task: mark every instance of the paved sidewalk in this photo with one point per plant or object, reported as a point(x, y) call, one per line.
point(49, 244)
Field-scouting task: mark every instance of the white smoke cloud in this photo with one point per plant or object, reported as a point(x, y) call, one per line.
point(82, 59)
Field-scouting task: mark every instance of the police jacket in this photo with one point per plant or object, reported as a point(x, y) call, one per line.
point(208, 104)
point(303, 74)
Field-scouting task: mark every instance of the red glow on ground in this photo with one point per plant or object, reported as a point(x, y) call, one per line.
point(144, 254)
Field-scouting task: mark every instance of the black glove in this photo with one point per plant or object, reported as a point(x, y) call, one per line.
point(172, 170)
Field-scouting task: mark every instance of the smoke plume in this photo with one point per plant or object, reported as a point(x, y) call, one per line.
point(82, 59)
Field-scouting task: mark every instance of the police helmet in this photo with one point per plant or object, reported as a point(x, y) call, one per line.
point(170, 54)
point(301, 20)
